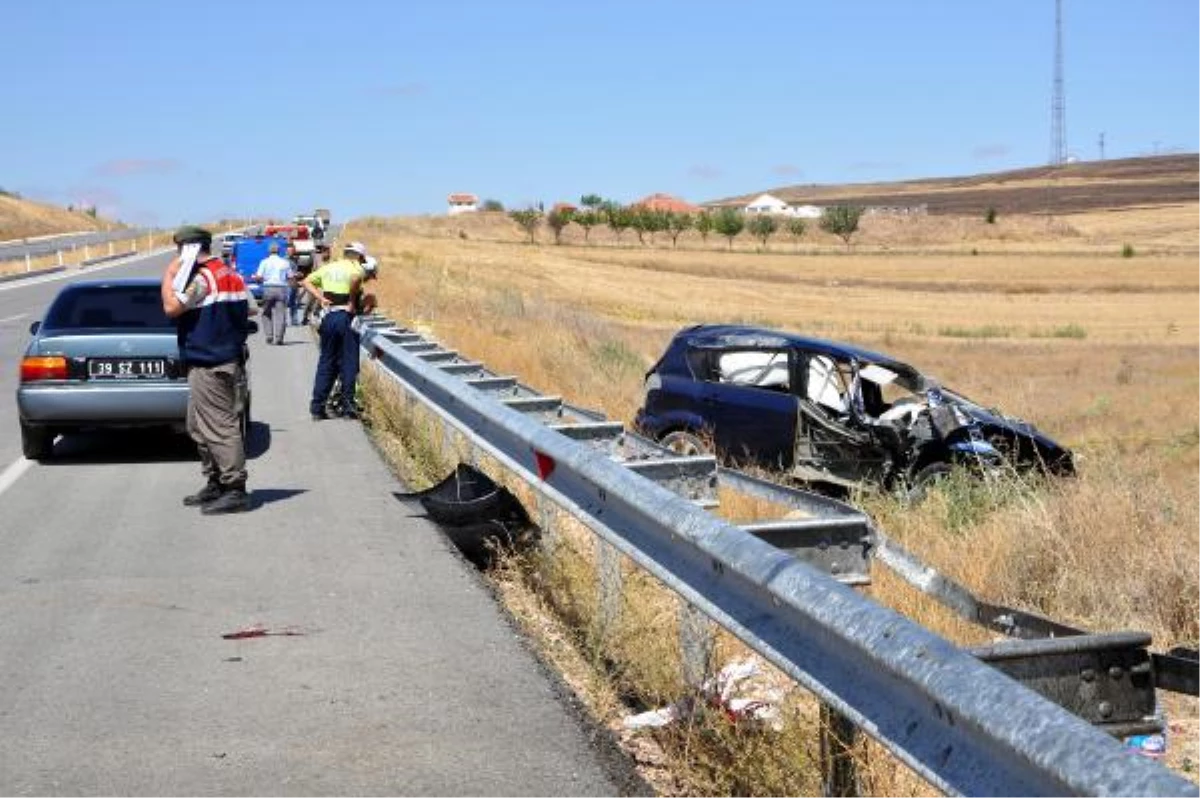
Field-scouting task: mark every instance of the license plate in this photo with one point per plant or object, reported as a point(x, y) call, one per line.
point(111, 368)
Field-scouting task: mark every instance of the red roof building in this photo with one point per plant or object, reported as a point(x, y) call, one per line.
point(665, 202)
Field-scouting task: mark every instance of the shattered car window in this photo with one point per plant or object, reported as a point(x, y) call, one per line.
point(761, 369)
point(828, 383)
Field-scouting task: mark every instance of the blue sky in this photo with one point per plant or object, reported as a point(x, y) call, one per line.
point(161, 112)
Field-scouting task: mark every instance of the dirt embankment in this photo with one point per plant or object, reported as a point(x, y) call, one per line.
point(22, 218)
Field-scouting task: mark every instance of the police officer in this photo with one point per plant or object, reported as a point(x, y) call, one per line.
point(211, 308)
point(336, 286)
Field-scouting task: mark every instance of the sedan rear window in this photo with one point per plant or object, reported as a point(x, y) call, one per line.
point(108, 307)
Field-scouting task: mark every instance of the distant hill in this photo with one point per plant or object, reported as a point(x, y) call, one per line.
point(22, 218)
point(1074, 188)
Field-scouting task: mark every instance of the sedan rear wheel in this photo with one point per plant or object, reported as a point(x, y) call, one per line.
point(684, 443)
point(37, 443)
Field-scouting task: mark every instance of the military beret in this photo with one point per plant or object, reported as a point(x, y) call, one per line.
point(191, 234)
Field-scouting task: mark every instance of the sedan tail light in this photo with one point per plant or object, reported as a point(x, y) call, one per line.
point(53, 367)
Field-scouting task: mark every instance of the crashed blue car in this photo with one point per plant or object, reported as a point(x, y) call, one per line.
point(831, 415)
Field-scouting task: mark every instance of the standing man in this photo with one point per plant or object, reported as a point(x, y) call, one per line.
point(211, 308)
point(335, 286)
point(274, 272)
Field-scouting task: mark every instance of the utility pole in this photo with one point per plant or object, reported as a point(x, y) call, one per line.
point(1058, 109)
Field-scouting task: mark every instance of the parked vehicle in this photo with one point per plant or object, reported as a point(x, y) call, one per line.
point(831, 415)
point(315, 225)
point(104, 355)
point(249, 252)
point(226, 242)
point(302, 245)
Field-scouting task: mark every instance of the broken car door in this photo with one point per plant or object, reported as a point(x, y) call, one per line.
point(751, 405)
point(832, 442)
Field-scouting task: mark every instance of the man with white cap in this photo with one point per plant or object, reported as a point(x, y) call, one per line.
point(273, 273)
point(336, 286)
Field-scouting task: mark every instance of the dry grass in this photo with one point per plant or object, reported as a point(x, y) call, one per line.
point(1099, 350)
point(22, 218)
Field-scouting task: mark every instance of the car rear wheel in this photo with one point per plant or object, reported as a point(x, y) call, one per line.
point(37, 443)
point(926, 478)
point(684, 443)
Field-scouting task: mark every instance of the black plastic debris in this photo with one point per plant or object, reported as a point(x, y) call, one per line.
point(475, 513)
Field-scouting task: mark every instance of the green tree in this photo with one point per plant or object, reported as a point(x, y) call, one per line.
point(729, 222)
point(796, 229)
point(618, 217)
point(647, 220)
point(678, 222)
point(704, 225)
point(557, 220)
point(592, 202)
point(990, 216)
point(528, 219)
point(492, 205)
point(763, 226)
point(841, 220)
point(587, 220)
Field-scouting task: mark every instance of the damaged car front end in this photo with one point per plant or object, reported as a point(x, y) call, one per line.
point(831, 415)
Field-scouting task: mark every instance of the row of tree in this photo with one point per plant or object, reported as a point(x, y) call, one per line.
point(595, 211)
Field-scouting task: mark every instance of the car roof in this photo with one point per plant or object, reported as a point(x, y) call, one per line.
point(114, 282)
point(714, 335)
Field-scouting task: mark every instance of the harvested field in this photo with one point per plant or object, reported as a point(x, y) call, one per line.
point(1070, 189)
point(1048, 321)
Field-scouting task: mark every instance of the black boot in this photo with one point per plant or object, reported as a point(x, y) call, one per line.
point(206, 494)
point(233, 499)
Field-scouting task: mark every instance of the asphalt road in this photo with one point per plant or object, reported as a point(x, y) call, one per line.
point(398, 675)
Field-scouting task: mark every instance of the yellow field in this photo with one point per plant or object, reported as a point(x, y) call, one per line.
point(1099, 350)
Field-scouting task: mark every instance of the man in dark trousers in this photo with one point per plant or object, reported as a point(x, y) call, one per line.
point(211, 308)
point(336, 286)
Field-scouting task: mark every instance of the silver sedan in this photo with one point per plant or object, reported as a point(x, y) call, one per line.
point(104, 355)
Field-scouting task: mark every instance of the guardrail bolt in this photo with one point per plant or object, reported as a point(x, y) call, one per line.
point(1106, 709)
point(1088, 675)
point(1116, 672)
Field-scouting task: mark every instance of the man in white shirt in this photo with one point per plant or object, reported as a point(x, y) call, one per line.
point(274, 272)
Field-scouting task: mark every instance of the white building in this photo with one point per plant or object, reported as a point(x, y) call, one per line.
point(766, 203)
point(462, 203)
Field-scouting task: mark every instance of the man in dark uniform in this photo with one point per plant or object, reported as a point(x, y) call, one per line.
point(211, 308)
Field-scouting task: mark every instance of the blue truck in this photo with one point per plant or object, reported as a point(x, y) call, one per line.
point(248, 252)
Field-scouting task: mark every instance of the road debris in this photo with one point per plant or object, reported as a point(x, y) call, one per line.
point(742, 689)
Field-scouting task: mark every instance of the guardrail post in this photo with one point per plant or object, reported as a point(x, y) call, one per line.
point(110, 248)
point(839, 737)
point(60, 257)
point(696, 643)
point(87, 252)
point(609, 580)
point(28, 265)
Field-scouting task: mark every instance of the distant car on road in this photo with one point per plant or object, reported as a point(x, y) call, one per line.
point(831, 415)
point(226, 242)
point(104, 355)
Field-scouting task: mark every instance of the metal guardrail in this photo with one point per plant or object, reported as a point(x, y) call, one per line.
point(959, 723)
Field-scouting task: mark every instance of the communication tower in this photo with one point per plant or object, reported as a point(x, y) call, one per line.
point(1058, 109)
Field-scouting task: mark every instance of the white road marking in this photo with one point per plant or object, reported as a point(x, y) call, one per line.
point(13, 473)
point(14, 318)
point(70, 273)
